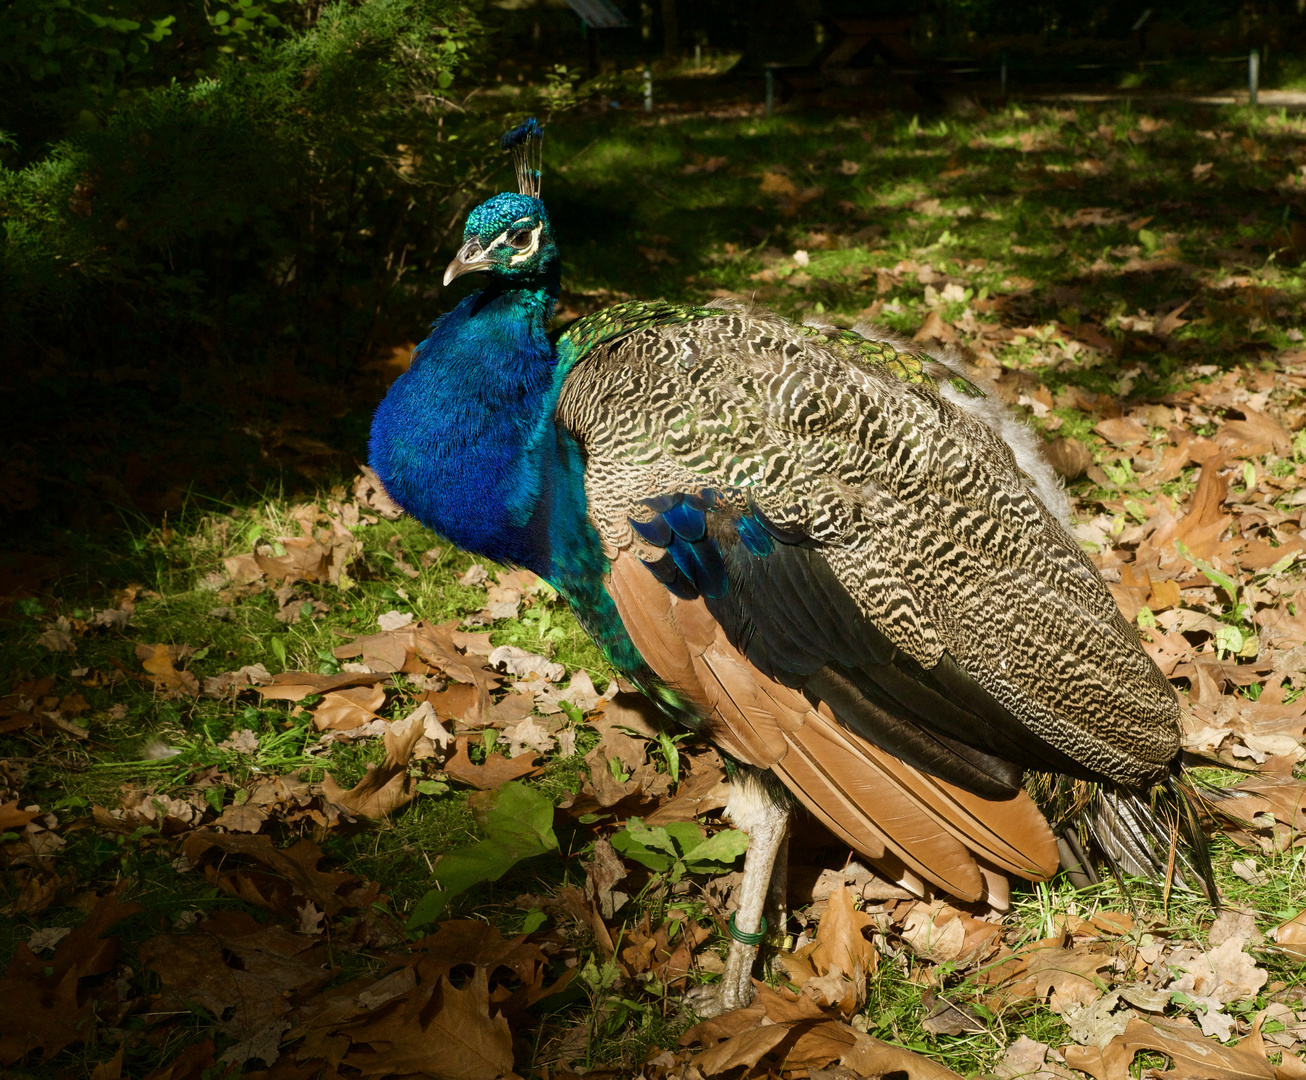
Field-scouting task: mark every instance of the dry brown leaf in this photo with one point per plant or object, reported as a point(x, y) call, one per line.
point(370, 494)
point(840, 949)
point(745, 1049)
point(386, 786)
point(193, 1063)
point(109, 1070)
point(1069, 975)
point(1168, 323)
point(1225, 973)
point(496, 771)
point(777, 185)
point(297, 685)
point(1026, 1059)
point(243, 818)
point(870, 1056)
point(1291, 935)
point(1254, 436)
point(1164, 595)
point(942, 933)
point(1200, 529)
point(241, 971)
point(1191, 1054)
point(387, 651)
point(1069, 457)
point(344, 710)
point(436, 1030)
point(1276, 791)
point(934, 328)
point(1290, 1068)
point(167, 680)
point(705, 789)
point(602, 873)
point(45, 1007)
point(439, 646)
point(1121, 431)
point(284, 879)
point(13, 818)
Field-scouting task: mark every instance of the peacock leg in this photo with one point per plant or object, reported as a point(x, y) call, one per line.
point(777, 901)
point(766, 820)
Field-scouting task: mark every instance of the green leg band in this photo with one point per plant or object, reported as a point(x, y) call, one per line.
point(741, 937)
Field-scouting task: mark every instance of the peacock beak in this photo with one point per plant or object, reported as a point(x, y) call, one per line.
point(469, 259)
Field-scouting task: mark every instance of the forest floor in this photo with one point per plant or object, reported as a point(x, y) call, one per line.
point(288, 788)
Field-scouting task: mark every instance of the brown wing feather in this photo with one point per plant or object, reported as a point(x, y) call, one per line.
point(909, 823)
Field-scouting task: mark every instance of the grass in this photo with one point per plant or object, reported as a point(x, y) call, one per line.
point(837, 217)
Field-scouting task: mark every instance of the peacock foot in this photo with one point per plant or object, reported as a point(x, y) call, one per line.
point(734, 991)
point(716, 999)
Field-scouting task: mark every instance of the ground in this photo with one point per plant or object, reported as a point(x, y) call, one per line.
point(291, 787)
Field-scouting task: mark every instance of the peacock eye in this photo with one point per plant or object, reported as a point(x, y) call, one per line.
point(520, 239)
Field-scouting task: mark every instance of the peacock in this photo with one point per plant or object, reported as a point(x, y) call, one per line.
point(834, 554)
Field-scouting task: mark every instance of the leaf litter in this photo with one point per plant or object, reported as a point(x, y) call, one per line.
point(1187, 493)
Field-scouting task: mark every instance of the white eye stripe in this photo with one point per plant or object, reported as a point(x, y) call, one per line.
point(526, 252)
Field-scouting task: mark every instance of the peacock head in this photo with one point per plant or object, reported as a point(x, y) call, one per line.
point(509, 235)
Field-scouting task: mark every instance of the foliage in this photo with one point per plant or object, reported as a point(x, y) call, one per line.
point(680, 848)
point(518, 825)
point(273, 195)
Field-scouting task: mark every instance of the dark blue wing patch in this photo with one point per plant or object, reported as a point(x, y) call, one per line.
point(693, 565)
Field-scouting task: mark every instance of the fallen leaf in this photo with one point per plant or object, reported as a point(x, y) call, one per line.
point(528, 734)
point(1121, 431)
point(475, 575)
point(1026, 1059)
point(167, 680)
point(297, 685)
point(935, 329)
point(231, 682)
point(496, 771)
point(940, 932)
point(243, 741)
point(46, 1008)
point(1225, 973)
point(342, 710)
point(394, 620)
point(602, 873)
point(1069, 457)
point(192, 1063)
point(1191, 1054)
point(243, 818)
point(1291, 935)
point(13, 818)
point(386, 786)
point(243, 972)
point(370, 494)
point(384, 652)
point(283, 878)
point(521, 664)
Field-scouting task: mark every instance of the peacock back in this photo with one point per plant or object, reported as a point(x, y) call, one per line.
point(868, 527)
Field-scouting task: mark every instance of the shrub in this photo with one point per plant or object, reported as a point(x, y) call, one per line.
point(262, 187)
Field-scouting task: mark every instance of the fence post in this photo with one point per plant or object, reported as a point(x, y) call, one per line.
point(770, 90)
point(1002, 76)
point(1253, 76)
point(648, 89)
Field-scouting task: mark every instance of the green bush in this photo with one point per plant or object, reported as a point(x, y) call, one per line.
point(257, 177)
